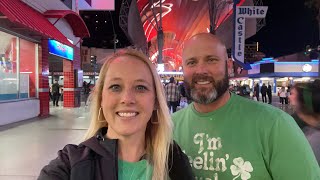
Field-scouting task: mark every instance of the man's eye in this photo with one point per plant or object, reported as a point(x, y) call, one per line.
point(212, 60)
point(141, 88)
point(115, 88)
point(190, 63)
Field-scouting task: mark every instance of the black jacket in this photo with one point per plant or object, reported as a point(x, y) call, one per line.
point(55, 88)
point(97, 159)
point(264, 90)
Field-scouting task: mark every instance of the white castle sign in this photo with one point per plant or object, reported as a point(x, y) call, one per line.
point(243, 12)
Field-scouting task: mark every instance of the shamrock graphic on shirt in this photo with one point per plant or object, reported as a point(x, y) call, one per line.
point(241, 169)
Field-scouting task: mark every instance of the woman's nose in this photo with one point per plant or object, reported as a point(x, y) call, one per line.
point(128, 97)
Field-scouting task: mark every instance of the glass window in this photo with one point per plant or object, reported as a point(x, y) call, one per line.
point(18, 62)
point(27, 69)
point(8, 67)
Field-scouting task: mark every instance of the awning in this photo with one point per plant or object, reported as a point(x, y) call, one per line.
point(75, 21)
point(20, 13)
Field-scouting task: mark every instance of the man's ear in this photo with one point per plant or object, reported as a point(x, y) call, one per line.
point(230, 66)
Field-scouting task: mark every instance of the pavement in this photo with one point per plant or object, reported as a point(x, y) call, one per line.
point(29, 145)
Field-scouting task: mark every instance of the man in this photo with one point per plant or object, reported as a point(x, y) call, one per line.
point(86, 91)
point(55, 93)
point(172, 94)
point(256, 91)
point(230, 137)
point(269, 93)
point(264, 89)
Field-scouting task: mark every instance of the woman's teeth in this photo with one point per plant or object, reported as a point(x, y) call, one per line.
point(131, 114)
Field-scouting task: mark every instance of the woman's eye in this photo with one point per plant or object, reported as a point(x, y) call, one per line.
point(141, 88)
point(115, 87)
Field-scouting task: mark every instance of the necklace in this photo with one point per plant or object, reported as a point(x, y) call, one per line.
point(132, 172)
point(125, 169)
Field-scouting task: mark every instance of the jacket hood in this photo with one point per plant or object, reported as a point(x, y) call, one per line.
point(100, 144)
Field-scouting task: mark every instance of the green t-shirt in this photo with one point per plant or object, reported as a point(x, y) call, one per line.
point(134, 170)
point(244, 140)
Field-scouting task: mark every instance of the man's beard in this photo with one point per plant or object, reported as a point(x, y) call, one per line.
point(206, 95)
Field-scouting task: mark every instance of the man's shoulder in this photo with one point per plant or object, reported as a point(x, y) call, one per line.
point(181, 113)
point(258, 109)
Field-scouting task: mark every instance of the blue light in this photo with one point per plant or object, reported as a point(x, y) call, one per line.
point(265, 59)
point(59, 49)
point(255, 64)
point(315, 60)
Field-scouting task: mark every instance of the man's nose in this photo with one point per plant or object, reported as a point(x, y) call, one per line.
point(202, 68)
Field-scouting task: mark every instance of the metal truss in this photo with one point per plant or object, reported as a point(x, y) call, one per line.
point(261, 22)
point(124, 16)
point(216, 8)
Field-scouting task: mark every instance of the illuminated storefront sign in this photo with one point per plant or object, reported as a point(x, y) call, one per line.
point(243, 12)
point(97, 5)
point(59, 49)
point(306, 68)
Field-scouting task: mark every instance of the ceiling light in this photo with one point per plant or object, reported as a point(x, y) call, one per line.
point(105, 21)
point(97, 21)
point(96, 15)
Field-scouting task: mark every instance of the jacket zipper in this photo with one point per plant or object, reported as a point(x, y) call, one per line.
point(116, 160)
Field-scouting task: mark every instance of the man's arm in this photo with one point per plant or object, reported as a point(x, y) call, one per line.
point(290, 154)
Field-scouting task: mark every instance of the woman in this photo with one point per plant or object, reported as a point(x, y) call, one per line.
point(130, 134)
point(282, 94)
point(305, 99)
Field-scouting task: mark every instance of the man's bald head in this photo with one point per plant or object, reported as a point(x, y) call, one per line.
point(206, 39)
point(205, 36)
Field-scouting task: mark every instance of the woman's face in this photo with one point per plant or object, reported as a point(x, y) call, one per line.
point(293, 97)
point(128, 97)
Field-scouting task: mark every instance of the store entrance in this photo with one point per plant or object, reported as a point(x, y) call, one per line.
point(56, 80)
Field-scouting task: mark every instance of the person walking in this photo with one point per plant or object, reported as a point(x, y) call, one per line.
point(86, 91)
point(269, 93)
point(56, 93)
point(264, 90)
point(172, 94)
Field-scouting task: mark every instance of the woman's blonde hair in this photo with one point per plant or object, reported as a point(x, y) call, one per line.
point(159, 128)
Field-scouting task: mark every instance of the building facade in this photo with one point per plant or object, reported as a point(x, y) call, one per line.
point(30, 33)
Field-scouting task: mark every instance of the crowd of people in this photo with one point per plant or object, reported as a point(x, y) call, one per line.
point(220, 135)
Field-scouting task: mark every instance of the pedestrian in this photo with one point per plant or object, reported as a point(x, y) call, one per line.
point(55, 93)
point(86, 91)
point(269, 93)
point(172, 94)
point(264, 90)
point(282, 94)
point(256, 91)
point(305, 99)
